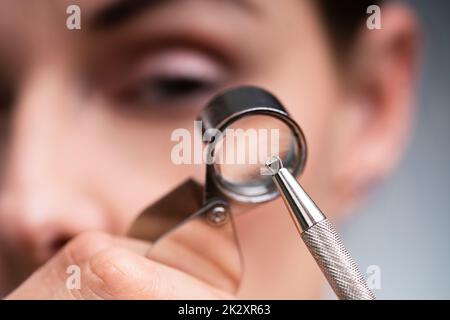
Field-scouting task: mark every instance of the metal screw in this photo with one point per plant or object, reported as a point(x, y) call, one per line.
point(217, 215)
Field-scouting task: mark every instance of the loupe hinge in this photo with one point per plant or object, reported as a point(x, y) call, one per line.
point(216, 207)
point(218, 215)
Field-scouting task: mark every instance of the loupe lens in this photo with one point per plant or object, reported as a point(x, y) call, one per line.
point(244, 148)
point(250, 126)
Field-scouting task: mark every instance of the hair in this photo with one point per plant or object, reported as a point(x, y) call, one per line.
point(344, 20)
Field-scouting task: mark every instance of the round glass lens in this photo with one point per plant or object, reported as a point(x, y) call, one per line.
point(245, 146)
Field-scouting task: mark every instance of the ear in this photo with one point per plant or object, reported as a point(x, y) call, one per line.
point(375, 122)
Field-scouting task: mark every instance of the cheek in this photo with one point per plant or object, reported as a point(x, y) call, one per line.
point(127, 162)
point(308, 88)
point(314, 113)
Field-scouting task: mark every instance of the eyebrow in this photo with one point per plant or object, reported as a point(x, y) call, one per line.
point(119, 12)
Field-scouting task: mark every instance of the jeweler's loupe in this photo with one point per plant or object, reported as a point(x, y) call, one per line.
point(249, 126)
point(192, 227)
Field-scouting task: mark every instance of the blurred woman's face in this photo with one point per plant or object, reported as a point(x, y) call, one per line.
point(86, 115)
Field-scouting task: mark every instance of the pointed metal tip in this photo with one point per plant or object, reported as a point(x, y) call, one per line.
point(274, 165)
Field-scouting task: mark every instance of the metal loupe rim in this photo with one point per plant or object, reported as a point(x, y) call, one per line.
point(222, 118)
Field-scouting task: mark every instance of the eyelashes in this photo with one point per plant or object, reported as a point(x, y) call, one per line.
point(172, 89)
point(167, 87)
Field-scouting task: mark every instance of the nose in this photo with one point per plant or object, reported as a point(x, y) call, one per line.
point(35, 225)
point(42, 200)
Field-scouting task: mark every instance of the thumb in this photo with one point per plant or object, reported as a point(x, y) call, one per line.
point(120, 274)
point(108, 271)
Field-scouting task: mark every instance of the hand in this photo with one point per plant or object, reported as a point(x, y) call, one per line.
point(112, 268)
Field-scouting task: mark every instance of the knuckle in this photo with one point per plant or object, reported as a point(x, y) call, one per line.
point(111, 273)
point(116, 273)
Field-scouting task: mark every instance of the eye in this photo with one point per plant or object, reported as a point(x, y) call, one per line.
point(165, 89)
point(175, 78)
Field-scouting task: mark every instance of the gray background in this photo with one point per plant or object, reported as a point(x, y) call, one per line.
point(405, 229)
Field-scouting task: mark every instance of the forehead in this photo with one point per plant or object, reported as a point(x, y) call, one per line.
point(30, 11)
point(31, 26)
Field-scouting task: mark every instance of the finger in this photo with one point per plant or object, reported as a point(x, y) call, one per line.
point(120, 274)
point(135, 245)
point(50, 281)
point(206, 252)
